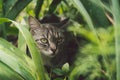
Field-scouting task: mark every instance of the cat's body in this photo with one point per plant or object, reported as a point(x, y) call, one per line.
point(51, 41)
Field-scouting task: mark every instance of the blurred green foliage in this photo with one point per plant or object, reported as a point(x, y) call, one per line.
point(91, 23)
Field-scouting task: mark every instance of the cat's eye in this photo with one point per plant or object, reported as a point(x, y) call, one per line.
point(60, 40)
point(44, 40)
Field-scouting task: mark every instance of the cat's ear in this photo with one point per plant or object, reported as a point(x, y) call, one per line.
point(62, 23)
point(33, 22)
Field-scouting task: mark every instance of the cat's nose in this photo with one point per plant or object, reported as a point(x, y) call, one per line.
point(53, 50)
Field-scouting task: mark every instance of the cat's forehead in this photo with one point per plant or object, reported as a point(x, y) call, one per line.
point(48, 31)
point(48, 28)
point(52, 27)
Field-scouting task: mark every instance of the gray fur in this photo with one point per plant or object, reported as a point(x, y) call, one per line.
point(50, 40)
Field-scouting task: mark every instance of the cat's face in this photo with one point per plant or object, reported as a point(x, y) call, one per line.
point(50, 39)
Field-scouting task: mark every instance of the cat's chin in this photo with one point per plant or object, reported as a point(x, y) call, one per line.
point(48, 54)
point(51, 56)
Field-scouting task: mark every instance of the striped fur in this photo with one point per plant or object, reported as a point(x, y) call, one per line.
point(50, 40)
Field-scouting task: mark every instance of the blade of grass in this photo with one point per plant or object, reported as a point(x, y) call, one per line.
point(2, 20)
point(79, 6)
point(53, 6)
point(17, 8)
point(33, 50)
point(16, 60)
point(38, 8)
point(6, 73)
point(96, 13)
point(83, 32)
point(21, 43)
point(116, 16)
point(32, 47)
point(8, 5)
point(101, 4)
point(3, 28)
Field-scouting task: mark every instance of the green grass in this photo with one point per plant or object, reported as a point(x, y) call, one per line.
point(14, 63)
point(98, 55)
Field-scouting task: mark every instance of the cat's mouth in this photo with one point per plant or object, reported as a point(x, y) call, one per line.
point(49, 54)
point(53, 55)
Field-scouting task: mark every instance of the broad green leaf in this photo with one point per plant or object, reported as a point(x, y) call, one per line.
point(54, 5)
point(17, 8)
point(116, 17)
point(16, 60)
point(96, 13)
point(8, 5)
point(65, 68)
point(79, 6)
point(79, 30)
point(33, 50)
point(38, 8)
point(58, 79)
point(2, 20)
point(6, 73)
point(102, 4)
point(1, 7)
point(2, 27)
point(12, 31)
point(58, 71)
point(21, 43)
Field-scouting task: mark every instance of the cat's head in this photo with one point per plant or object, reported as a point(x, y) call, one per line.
point(50, 38)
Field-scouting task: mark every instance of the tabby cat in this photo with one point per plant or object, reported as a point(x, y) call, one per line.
point(51, 41)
